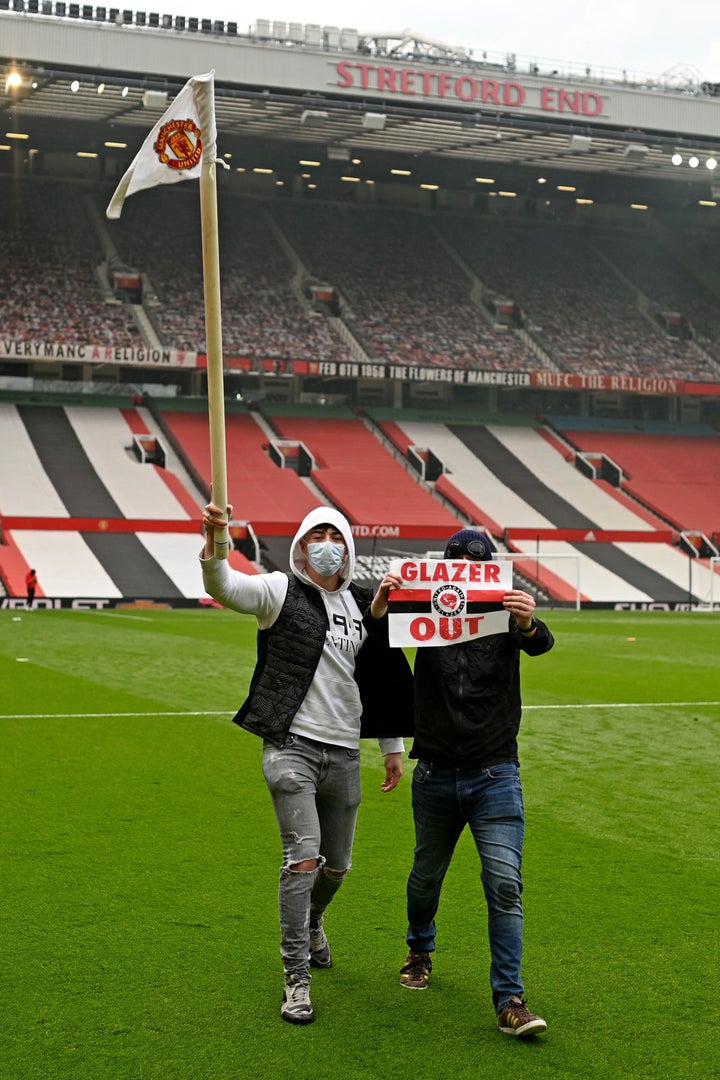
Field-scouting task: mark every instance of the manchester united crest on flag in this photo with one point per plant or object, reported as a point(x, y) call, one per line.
point(179, 145)
point(176, 148)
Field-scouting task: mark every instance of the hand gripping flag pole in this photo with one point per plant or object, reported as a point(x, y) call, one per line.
point(182, 146)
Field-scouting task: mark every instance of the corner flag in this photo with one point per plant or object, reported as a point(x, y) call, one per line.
point(176, 147)
point(181, 146)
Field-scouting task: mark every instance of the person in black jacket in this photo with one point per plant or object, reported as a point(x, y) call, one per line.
point(467, 716)
point(325, 678)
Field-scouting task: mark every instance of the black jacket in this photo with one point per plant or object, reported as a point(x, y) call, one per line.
point(467, 698)
point(288, 655)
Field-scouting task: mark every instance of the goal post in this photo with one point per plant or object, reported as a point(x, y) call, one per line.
point(541, 558)
point(714, 580)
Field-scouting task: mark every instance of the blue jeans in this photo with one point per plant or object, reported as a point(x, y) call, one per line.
point(490, 802)
point(315, 790)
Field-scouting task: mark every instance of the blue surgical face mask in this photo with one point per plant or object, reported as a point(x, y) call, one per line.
point(326, 558)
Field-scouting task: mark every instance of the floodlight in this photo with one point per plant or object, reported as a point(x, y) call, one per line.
point(154, 99)
point(636, 152)
point(313, 118)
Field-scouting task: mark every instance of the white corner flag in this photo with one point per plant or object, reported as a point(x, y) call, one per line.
point(182, 146)
point(175, 149)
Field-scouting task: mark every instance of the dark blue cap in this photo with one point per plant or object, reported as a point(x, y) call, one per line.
point(468, 542)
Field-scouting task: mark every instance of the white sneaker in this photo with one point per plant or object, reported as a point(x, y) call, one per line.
point(296, 1007)
point(320, 955)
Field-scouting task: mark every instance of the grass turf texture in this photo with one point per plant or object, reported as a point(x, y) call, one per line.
point(140, 863)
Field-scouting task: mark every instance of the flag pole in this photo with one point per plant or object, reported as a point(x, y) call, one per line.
point(174, 150)
point(213, 339)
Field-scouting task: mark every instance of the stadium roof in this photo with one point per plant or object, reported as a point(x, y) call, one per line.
point(277, 126)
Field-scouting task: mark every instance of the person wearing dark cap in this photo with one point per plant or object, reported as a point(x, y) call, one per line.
point(467, 717)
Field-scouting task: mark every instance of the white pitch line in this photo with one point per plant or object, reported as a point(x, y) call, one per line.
point(226, 713)
point(101, 715)
point(627, 705)
point(120, 615)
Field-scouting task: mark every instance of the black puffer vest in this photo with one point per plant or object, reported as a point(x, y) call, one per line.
point(288, 656)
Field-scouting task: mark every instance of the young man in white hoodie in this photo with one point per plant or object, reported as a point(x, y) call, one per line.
point(324, 678)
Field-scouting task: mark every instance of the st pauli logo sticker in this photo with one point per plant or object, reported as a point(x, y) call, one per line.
point(444, 601)
point(179, 144)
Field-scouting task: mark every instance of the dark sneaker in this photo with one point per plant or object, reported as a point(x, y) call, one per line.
point(320, 955)
point(296, 1007)
point(416, 973)
point(516, 1019)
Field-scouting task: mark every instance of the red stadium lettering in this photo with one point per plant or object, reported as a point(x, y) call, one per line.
point(547, 99)
point(444, 84)
point(467, 88)
point(345, 76)
point(427, 77)
point(386, 79)
point(569, 101)
point(407, 81)
point(513, 94)
point(491, 91)
point(365, 70)
point(586, 103)
point(592, 104)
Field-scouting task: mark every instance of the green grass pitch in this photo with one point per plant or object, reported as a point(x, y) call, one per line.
point(140, 861)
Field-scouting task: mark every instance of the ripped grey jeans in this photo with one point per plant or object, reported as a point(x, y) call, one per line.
point(315, 791)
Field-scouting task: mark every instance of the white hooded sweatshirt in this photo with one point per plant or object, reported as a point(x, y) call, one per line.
point(331, 710)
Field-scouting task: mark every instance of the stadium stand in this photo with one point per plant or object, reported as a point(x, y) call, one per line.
point(262, 315)
point(13, 568)
point(49, 253)
point(137, 490)
point(358, 474)
point(258, 490)
point(497, 505)
point(75, 463)
point(406, 300)
point(676, 476)
point(589, 501)
point(578, 308)
point(409, 301)
point(670, 287)
point(25, 487)
point(593, 301)
point(67, 565)
point(406, 434)
point(140, 492)
point(138, 426)
point(512, 475)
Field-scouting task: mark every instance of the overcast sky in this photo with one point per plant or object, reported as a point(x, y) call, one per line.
point(641, 36)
